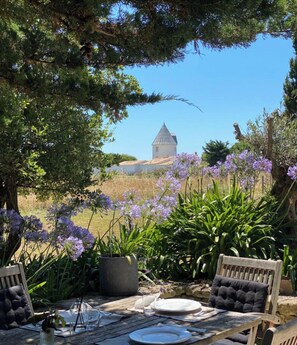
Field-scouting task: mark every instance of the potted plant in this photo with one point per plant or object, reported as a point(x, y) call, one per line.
point(48, 326)
point(288, 281)
point(118, 270)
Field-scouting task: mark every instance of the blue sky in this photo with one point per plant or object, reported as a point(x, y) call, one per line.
point(232, 85)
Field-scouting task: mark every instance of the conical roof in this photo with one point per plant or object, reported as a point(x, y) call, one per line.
point(164, 137)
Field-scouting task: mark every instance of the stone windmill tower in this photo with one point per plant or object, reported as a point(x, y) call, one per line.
point(164, 144)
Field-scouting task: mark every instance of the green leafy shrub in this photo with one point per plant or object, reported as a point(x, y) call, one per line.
point(203, 226)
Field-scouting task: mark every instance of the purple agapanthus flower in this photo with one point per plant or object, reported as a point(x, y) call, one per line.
point(84, 235)
point(10, 222)
point(72, 245)
point(247, 182)
point(65, 228)
point(292, 172)
point(230, 164)
point(99, 201)
point(169, 184)
point(33, 230)
point(184, 165)
point(263, 164)
point(32, 223)
point(36, 236)
point(56, 211)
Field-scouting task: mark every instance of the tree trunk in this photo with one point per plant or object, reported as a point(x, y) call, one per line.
point(9, 197)
point(286, 193)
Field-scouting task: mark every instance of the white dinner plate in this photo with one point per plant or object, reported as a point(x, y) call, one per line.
point(160, 335)
point(69, 318)
point(177, 305)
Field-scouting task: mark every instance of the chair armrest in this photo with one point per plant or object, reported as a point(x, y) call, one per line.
point(272, 319)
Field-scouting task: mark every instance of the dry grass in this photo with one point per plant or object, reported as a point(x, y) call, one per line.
point(145, 185)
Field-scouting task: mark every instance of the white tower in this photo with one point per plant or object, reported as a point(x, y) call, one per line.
point(164, 144)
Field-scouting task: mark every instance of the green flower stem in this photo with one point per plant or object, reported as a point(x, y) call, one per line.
point(285, 197)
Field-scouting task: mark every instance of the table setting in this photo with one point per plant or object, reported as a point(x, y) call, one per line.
point(125, 323)
point(168, 331)
point(181, 309)
point(80, 317)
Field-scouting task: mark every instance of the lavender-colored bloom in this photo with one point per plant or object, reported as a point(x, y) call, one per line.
point(37, 236)
point(229, 164)
point(169, 184)
point(169, 200)
point(10, 222)
point(292, 172)
point(99, 200)
point(247, 182)
point(188, 159)
point(65, 228)
point(73, 246)
point(215, 171)
point(263, 164)
point(131, 195)
point(160, 213)
point(56, 211)
point(84, 235)
point(135, 211)
point(32, 223)
point(247, 156)
point(32, 230)
point(130, 205)
point(184, 165)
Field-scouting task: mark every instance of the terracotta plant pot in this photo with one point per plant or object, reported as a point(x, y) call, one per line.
point(286, 287)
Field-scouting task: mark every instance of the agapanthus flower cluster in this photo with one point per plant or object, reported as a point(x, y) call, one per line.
point(130, 205)
point(10, 222)
point(215, 171)
point(33, 230)
point(169, 184)
point(98, 201)
point(292, 172)
point(56, 211)
point(184, 166)
point(72, 245)
point(245, 165)
point(263, 164)
point(157, 208)
point(65, 228)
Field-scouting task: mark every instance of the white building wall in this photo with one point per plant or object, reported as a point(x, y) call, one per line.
point(134, 169)
point(160, 151)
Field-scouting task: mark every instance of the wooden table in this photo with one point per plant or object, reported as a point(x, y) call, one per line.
point(222, 325)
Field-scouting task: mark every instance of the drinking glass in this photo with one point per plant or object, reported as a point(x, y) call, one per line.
point(147, 304)
point(79, 317)
point(94, 318)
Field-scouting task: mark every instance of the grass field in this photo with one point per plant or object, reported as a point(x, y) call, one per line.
point(145, 185)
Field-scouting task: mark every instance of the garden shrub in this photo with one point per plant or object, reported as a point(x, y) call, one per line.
point(202, 227)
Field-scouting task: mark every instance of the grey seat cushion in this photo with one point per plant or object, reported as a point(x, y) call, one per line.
point(14, 308)
point(238, 295)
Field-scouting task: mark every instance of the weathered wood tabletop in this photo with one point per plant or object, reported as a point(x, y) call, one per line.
point(220, 326)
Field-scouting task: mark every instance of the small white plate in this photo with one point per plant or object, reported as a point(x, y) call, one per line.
point(160, 335)
point(177, 305)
